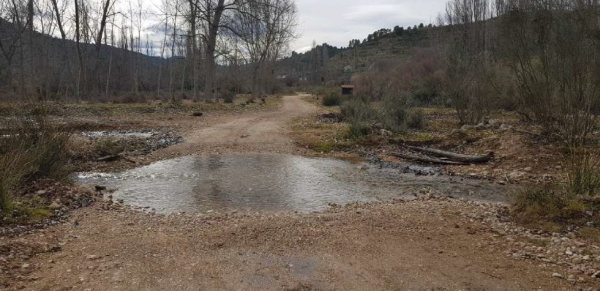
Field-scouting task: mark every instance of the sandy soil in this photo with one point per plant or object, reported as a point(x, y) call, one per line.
point(430, 244)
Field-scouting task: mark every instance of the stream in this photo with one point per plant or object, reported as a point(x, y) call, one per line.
point(265, 182)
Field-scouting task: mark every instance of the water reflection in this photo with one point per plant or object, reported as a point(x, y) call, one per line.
point(274, 183)
point(255, 182)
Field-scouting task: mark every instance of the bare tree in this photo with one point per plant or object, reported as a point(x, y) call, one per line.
point(553, 48)
point(266, 27)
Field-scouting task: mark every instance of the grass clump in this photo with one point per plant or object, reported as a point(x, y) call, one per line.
point(550, 204)
point(358, 130)
point(331, 99)
point(575, 204)
point(583, 166)
point(416, 119)
point(109, 146)
point(31, 147)
point(590, 233)
point(554, 209)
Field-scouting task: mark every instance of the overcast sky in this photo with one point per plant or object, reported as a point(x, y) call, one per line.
point(336, 22)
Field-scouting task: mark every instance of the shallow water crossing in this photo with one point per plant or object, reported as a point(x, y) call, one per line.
point(271, 183)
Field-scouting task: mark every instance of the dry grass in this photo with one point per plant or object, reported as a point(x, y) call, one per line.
point(32, 147)
point(322, 137)
point(555, 209)
point(583, 171)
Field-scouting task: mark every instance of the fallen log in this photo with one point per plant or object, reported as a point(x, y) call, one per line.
point(428, 160)
point(468, 159)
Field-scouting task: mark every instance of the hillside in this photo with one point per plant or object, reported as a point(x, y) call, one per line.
point(326, 63)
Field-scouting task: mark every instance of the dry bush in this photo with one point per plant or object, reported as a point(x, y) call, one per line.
point(228, 96)
point(31, 147)
point(547, 205)
point(416, 119)
point(360, 115)
point(583, 169)
point(332, 98)
point(553, 50)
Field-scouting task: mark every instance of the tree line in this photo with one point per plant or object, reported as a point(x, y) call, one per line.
point(539, 57)
point(89, 49)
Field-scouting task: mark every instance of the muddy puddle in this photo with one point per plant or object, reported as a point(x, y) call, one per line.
point(223, 183)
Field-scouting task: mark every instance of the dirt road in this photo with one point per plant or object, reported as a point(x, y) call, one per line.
point(431, 244)
point(255, 132)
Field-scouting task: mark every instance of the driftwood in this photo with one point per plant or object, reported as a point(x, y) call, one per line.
point(429, 160)
point(465, 159)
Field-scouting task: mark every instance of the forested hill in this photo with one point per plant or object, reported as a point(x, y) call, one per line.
point(326, 63)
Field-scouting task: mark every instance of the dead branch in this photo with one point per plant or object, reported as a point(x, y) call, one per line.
point(428, 160)
point(470, 159)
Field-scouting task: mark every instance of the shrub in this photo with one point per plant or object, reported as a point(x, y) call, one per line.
point(331, 99)
point(360, 115)
point(358, 130)
point(395, 112)
point(583, 167)
point(416, 119)
point(424, 95)
point(357, 110)
point(32, 148)
point(228, 97)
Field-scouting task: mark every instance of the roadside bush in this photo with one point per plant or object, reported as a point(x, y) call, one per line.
point(331, 99)
point(32, 147)
point(583, 168)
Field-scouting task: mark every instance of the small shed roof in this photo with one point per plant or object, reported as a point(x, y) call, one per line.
point(347, 87)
